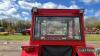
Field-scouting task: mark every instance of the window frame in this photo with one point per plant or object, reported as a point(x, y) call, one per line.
point(59, 35)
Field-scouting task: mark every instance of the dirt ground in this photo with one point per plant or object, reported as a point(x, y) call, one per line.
point(8, 48)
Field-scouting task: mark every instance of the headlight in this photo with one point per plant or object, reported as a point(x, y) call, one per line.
point(86, 50)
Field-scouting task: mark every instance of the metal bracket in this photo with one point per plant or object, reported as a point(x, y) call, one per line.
point(34, 9)
point(82, 11)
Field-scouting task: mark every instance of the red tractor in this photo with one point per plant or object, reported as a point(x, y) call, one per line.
point(57, 32)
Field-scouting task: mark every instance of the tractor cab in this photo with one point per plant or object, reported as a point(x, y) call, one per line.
point(57, 32)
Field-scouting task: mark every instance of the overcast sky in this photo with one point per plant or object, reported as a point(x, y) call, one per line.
point(21, 9)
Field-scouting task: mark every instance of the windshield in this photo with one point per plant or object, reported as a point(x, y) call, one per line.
point(57, 28)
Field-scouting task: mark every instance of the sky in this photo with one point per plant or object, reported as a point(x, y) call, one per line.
point(21, 9)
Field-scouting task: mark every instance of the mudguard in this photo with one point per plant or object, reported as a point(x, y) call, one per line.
point(30, 50)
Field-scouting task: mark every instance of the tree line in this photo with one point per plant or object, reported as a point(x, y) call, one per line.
point(16, 25)
point(92, 22)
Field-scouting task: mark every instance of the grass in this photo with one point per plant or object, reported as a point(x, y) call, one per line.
point(92, 37)
point(19, 37)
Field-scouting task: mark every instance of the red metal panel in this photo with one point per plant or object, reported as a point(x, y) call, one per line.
point(52, 42)
point(82, 27)
point(58, 11)
point(32, 28)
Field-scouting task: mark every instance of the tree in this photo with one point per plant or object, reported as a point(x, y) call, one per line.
point(92, 22)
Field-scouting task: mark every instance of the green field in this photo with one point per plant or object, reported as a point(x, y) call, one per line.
point(15, 37)
point(89, 37)
point(93, 37)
